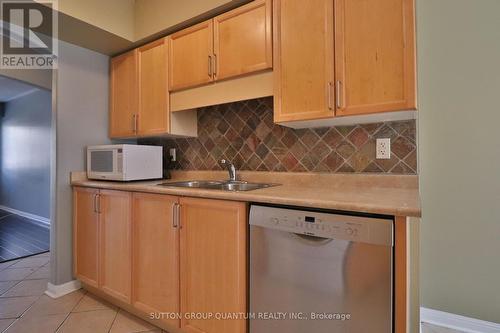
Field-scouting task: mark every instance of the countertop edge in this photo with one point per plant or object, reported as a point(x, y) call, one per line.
point(254, 196)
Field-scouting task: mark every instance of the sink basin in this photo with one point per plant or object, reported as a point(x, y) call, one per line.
point(194, 184)
point(235, 186)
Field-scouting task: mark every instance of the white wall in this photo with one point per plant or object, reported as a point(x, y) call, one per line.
point(459, 118)
point(25, 138)
point(153, 16)
point(80, 100)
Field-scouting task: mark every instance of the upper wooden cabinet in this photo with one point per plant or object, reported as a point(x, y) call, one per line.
point(303, 60)
point(343, 57)
point(153, 89)
point(232, 44)
point(191, 56)
point(213, 241)
point(123, 95)
point(115, 252)
point(86, 235)
point(155, 247)
point(375, 56)
point(243, 40)
point(139, 95)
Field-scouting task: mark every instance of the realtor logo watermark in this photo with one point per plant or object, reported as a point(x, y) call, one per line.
point(29, 34)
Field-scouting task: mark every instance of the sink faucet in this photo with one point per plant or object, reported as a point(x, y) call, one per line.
point(230, 168)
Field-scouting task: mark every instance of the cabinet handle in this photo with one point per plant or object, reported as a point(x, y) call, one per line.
point(98, 197)
point(329, 95)
point(210, 66)
point(338, 93)
point(175, 222)
point(95, 203)
point(215, 65)
point(178, 207)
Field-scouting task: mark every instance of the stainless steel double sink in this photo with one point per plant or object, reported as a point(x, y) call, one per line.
point(235, 186)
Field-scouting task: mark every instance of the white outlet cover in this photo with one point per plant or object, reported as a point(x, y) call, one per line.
point(383, 149)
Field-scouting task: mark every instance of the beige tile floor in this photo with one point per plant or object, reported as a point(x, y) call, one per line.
point(25, 308)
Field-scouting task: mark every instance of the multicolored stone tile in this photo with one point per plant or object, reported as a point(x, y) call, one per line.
point(244, 133)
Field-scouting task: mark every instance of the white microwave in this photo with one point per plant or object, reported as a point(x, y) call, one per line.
point(124, 162)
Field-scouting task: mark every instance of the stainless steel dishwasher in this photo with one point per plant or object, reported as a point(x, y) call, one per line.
point(320, 272)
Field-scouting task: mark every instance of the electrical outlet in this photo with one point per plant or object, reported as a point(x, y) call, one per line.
point(173, 154)
point(383, 149)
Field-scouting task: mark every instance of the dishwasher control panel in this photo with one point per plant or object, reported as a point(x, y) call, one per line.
point(326, 225)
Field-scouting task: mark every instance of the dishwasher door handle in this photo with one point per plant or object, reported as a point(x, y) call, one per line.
point(313, 239)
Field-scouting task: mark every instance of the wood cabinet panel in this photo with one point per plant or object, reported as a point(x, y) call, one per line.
point(375, 55)
point(85, 235)
point(243, 40)
point(213, 240)
point(123, 95)
point(153, 89)
point(155, 255)
point(115, 244)
point(190, 58)
point(303, 60)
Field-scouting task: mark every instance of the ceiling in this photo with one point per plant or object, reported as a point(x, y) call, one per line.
point(11, 89)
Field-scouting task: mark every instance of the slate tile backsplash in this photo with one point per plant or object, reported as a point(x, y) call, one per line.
point(244, 133)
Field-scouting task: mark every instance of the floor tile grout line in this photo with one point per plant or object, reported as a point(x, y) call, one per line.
point(28, 308)
point(18, 282)
point(15, 261)
point(10, 325)
point(62, 322)
point(113, 322)
point(70, 312)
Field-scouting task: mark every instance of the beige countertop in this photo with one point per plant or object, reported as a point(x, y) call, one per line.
point(396, 195)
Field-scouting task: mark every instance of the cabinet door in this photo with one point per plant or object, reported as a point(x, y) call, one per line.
point(123, 96)
point(243, 40)
point(213, 263)
point(155, 244)
point(303, 60)
point(85, 235)
point(375, 55)
point(153, 90)
point(115, 244)
point(191, 56)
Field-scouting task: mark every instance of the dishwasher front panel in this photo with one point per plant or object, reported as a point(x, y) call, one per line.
point(301, 283)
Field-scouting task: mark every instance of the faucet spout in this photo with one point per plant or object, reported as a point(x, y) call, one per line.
point(230, 168)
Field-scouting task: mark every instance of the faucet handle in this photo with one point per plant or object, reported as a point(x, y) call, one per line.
point(225, 163)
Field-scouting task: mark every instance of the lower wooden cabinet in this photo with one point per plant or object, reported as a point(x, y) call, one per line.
point(164, 254)
point(155, 245)
point(85, 235)
point(213, 263)
point(115, 251)
point(102, 245)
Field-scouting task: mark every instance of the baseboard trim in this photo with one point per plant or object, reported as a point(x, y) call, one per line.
point(43, 220)
point(59, 290)
point(457, 322)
